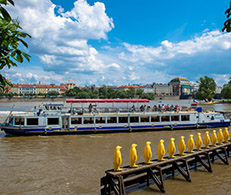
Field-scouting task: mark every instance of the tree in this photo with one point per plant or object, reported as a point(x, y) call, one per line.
point(227, 24)
point(139, 92)
point(73, 92)
point(53, 93)
point(131, 92)
point(10, 40)
point(149, 95)
point(103, 92)
point(207, 87)
point(226, 91)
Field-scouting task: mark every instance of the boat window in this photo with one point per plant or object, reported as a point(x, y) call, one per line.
point(53, 121)
point(184, 117)
point(134, 119)
point(123, 119)
point(144, 119)
point(76, 120)
point(111, 120)
point(11, 121)
point(19, 121)
point(99, 119)
point(175, 118)
point(165, 118)
point(88, 120)
point(32, 121)
point(155, 118)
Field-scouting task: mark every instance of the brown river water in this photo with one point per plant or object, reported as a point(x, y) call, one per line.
point(74, 164)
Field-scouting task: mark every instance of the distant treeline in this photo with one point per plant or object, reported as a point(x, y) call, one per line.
point(92, 93)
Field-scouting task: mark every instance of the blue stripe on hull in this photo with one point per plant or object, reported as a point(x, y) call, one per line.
point(11, 130)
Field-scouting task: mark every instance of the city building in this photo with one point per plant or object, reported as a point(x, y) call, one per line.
point(182, 87)
point(162, 89)
point(147, 88)
point(126, 87)
point(34, 88)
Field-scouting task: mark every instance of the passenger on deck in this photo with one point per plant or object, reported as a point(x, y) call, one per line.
point(90, 108)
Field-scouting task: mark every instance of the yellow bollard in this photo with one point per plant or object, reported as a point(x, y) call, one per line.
point(220, 136)
point(161, 150)
point(133, 156)
point(226, 135)
point(181, 146)
point(117, 159)
point(147, 153)
point(214, 138)
point(190, 144)
point(206, 139)
point(198, 141)
point(171, 148)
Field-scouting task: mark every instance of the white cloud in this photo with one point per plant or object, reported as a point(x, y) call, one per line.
point(221, 78)
point(62, 39)
point(213, 40)
point(114, 66)
point(48, 59)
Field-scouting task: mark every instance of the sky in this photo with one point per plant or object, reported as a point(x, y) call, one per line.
point(122, 42)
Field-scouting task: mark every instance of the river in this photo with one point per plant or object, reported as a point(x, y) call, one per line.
point(74, 164)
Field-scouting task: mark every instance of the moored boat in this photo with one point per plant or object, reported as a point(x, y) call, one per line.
point(136, 115)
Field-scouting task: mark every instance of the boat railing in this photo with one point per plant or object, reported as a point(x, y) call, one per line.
point(86, 110)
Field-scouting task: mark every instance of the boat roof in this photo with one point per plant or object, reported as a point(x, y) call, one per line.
point(107, 100)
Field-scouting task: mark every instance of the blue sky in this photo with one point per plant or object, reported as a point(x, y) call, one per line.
point(122, 42)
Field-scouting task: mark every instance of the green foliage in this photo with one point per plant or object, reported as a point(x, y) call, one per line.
point(149, 95)
point(207, 87)
point(226, 91)
point(107, 92)
point(73, 92)
point(227, 24)
point(53, 93)
point(10, 40)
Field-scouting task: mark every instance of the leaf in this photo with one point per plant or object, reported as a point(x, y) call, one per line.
point(23, 42)
point(19, 56)
point(27, 56)
point(5, 14)
point(3, 2)
point(13, 54)
point(11, 1)
point(23, 34)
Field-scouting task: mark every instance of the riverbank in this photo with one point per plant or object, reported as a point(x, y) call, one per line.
point(33, 99)
point(216, 102)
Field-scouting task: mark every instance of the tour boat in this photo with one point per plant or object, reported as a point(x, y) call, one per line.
point(136, 115)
